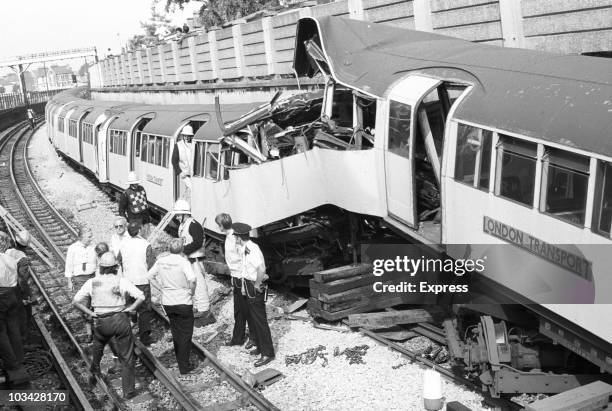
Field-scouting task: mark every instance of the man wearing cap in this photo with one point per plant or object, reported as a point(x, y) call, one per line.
point(110, 314)
point(136, 258)
point(81, 265)
point(120, 234)
point(182, 160)
point(253, 275)
point(177, 283)
point(11, 345)
point(22, 241)
point(133, 204)
point(192, 233)
point(234, 262)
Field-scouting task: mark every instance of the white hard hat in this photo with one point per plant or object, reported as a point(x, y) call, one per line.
point(23, 238)
point(108, 260)
point(132, 178)
point(187, 130)
point(182, 206)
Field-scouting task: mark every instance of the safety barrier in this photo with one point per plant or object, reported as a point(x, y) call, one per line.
point(264, 48)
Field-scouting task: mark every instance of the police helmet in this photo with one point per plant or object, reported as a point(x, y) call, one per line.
point(23, 238)
point(182, 207)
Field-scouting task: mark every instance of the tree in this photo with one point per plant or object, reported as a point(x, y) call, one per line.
point(153, 28)
point(217, 12)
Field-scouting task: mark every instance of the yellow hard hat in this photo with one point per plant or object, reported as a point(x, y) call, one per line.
point(23, 238)
point(182, 207)
point(108, 260)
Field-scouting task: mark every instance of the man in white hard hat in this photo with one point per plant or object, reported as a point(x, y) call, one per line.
point(133, 204)
point(182, 160)
point(136, 258)
point(192, 234)
point(110, 314)
point(18, 252)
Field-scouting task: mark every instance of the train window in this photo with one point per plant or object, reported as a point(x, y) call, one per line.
point(166, 143)
point(72, 128)
point(212, 160)
point(604, 214)
point(565, 178)
point(60, 124)
point(117, 142)
point(137, 144)
point(87, 133)
point(399, 128)
point(143, 152)
point(473, 159)
point(151, 150)
point(515, 174)
point(342, 107)
point(198, 162)
point(158, 151)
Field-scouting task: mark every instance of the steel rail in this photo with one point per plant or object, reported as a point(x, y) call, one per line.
point(450, 375)
point(156, 367)
point(34, 221)
point(250, 395)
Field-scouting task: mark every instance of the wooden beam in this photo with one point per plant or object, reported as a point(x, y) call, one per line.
point(346, 271)
point(593, 396)
point(389, 319)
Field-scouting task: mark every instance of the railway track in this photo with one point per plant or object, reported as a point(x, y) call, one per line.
point(43, 218)
point(22, 198)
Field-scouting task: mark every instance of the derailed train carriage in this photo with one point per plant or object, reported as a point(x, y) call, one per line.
point(446, 143)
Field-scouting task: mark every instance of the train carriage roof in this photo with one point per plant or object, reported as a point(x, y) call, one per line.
point(128, 117)
point(211, 130)
point(560, 98)
point(99, 108)
point(83, 106)
point(170, 118)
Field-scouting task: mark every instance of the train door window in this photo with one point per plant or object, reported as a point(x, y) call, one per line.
point(72, 128)
point(211, 163)
point(198, 162)
point(342, 107)
point(604, 214)
point(473, 157)
point(399, 128)
point(158, 151)
point(60, 124)
point(565, 178)
point(515, 174)
point(137, 143)
point(144, 146)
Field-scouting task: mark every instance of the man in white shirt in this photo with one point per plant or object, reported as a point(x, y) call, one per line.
point(136, 257)
point(234, 262)
point(111, 323)
point(182, 160)
point(119, 235)
point(177, 282)
point(11, 346)
point(81, 264)
point(253, 275)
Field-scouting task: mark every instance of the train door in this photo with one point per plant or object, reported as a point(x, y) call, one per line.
point(135, 144)
point(96, 130)
point(401, 117)
point(80, 134)
point(103, 151)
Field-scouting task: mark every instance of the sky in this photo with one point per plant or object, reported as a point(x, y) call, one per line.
point(32, 26)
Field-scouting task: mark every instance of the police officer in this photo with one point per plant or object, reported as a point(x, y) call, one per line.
point(81, 265)
point(22, 241)
point(253, 275)
point(136, 257)
point(133, 204)
point(111, 323)
point(234, 262)
point(11, 345)
point(192, 234)
point(177, 281)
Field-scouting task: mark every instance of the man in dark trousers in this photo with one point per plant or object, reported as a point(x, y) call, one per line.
point(110, 314)
point(253, 276)
point(133, 204)
point(177, 282)
point(192, 233)
point(18, 252)
point(234, 263)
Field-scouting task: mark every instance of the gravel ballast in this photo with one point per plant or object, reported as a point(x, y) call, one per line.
point(385, 380)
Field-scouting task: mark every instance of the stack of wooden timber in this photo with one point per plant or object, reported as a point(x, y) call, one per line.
point(338, 292)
